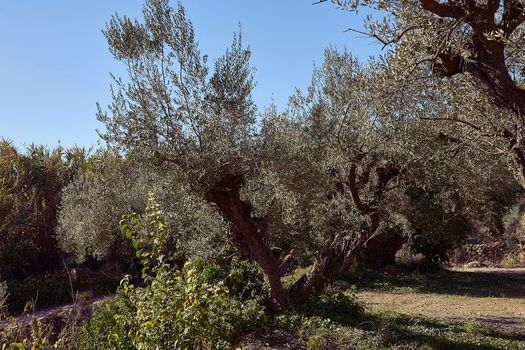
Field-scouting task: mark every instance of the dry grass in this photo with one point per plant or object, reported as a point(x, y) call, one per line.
point(57, 325)
point(495, 311)
point(517, 272)
point(498, 312)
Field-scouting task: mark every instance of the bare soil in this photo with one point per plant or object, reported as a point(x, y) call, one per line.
point(44, 314)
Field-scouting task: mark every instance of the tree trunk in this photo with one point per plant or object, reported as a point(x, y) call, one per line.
point(382, 248)
point(333, 262)
point(314, 279)
point(226, 196)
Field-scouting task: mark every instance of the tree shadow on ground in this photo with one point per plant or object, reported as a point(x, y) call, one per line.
point(501, 328)
point(475, 284)
point(404, 330)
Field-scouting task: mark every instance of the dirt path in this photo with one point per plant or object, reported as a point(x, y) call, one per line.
point(518, 272)
point(41, 314)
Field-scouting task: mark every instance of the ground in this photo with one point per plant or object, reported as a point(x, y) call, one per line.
point(493, 302)
point(491, 298)
point(449, 309)
point(505, 313)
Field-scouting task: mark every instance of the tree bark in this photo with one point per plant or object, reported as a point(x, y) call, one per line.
point(485, 60)
point(333, 262)
point(225, 194)
point(382, 248)
point(314, 279)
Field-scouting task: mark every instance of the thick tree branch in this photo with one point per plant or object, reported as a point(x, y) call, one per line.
point(354, 191)
point(443, 10)
point(449, 66)
point(491, 7)
point(226, 195)
point(315, 278)
point(334, 261)
point(513, 16)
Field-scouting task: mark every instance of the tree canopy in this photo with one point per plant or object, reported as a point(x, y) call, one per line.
point(352, 158)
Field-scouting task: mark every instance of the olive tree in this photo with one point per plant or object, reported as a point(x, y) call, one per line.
point(94, 202)
point(200, 127)
point(480, 42)
point(172, 111)
point(352, 168)
point(320, 179)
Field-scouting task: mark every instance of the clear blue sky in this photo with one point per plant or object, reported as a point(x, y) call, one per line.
point(54, 62)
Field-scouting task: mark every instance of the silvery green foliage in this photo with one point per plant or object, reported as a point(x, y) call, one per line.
point(196, 228)
point(458, 152)
point(453, 144)
point(320, 177)
point(191, 124)
point(171, 107)
point(307, 151)
point(424, 40)
point(346, 119)
point(94, 203)
point(92, 206)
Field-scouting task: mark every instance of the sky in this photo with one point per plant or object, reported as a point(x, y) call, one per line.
point(55, 64)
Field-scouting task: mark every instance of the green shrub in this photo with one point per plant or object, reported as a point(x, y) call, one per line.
point(183, 311)
point(241, 277)
point(243, 280)
point(107, 328)
point(203, 306)
point(175, 310)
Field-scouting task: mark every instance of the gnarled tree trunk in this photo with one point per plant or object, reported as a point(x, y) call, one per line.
point(382, 248)
point(247, 234)
point(333, 261)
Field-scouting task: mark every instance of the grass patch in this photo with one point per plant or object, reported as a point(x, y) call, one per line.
point(480, 284)
point(334, 320)
point(389, 330)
